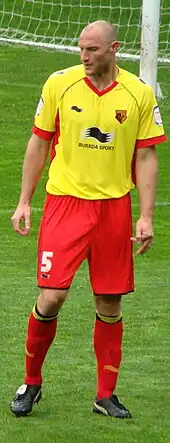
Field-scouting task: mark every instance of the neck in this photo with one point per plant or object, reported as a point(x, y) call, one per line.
point(103, 81)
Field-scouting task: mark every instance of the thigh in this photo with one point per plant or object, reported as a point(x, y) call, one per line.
point(65, 234)
point(110, 258)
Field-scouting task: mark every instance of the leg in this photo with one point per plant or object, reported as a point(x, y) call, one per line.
point(41, 332)
point(65, 233)
point(108, 305)
point(111, 274)
point(108, 333)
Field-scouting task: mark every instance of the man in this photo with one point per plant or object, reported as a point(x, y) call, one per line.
point(100, 118)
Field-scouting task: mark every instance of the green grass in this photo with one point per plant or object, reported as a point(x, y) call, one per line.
point(64, 415)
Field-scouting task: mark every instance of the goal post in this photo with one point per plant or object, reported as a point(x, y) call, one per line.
point(149, 43)
point(56, 24)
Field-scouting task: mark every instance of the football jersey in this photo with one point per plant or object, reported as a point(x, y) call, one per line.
point(95, 132)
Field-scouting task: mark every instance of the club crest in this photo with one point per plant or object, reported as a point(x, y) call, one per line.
point(121, 115)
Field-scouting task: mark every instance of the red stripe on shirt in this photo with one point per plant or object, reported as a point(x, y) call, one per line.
point(45, 135)
point(150, 141)
point(56, 137)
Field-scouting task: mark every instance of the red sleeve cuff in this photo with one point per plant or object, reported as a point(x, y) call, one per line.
point(150, 141)
point(45, 135)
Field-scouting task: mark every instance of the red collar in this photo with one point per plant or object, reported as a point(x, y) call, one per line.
point(98, 91)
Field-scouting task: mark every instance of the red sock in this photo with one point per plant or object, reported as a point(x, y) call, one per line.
point(41, 333)
point(108, 333)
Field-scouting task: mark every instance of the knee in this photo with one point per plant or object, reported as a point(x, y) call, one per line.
point(51, 300)
point(108, 304)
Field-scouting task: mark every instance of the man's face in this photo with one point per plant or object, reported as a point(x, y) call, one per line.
point(96, 53)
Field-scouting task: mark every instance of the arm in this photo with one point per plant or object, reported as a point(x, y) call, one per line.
point(34, 162)
point(146, 181)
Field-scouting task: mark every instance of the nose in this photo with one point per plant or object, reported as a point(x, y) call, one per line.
point(84, 55)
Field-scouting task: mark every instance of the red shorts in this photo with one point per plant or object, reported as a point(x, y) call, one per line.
point(73, 229)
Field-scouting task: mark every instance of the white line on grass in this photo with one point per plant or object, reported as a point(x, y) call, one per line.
point(134, 205)
point(11, 211)
point(19, 85)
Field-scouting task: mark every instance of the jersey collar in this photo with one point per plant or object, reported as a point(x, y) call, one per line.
point(98, 91)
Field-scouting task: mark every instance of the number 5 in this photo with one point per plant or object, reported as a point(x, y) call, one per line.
point(46, 263)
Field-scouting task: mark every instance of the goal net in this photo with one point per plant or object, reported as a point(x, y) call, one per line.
point(58, 23)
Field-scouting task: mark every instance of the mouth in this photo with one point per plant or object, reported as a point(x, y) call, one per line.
point(87, 65)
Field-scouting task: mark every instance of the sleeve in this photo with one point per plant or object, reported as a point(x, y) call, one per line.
point(150, 130)
point(45, 116)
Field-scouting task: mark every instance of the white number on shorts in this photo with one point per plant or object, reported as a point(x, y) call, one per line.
point(46, 263)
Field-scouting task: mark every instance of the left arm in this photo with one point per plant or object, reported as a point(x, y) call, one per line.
point(146, 182)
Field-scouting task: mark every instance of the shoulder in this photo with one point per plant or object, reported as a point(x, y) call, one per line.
point(64, 77)
point(141, 91)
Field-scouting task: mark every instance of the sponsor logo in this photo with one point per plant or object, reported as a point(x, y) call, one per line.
point(121, 115)
point(75, 108)
point(157, 116)
point(94, 132)
point(40, 106)
point(93, 146)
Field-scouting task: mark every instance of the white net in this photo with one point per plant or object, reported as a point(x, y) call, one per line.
point(58, 23)
point(164, 32)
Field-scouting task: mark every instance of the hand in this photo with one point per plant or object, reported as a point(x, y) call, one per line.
point(144, 234)
point(22, 214)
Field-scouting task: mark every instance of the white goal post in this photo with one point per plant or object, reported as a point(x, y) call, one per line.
point(149, 43)
point(143, 27)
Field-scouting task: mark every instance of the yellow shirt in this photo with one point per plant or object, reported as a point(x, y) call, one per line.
point(95, 132)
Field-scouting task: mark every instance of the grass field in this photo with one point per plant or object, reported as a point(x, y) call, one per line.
point(64, 415)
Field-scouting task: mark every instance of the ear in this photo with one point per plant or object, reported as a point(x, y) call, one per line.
point(114, 46)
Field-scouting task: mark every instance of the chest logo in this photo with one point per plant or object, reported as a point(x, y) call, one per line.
point(102, 137)
point(121, 115)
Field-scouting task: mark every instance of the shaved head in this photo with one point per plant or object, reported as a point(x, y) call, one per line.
point(103, 29)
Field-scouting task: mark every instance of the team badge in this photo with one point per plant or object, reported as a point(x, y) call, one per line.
point(121, 115)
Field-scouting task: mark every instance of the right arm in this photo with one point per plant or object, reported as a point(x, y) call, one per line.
point(34, 162)
point(37, 150)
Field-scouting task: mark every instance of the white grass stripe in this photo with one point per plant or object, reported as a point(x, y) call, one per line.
point(19, 85)
point(34, 209)
point(158, 204)
point(11, 211)
point(72, 49)
point(162, 204)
